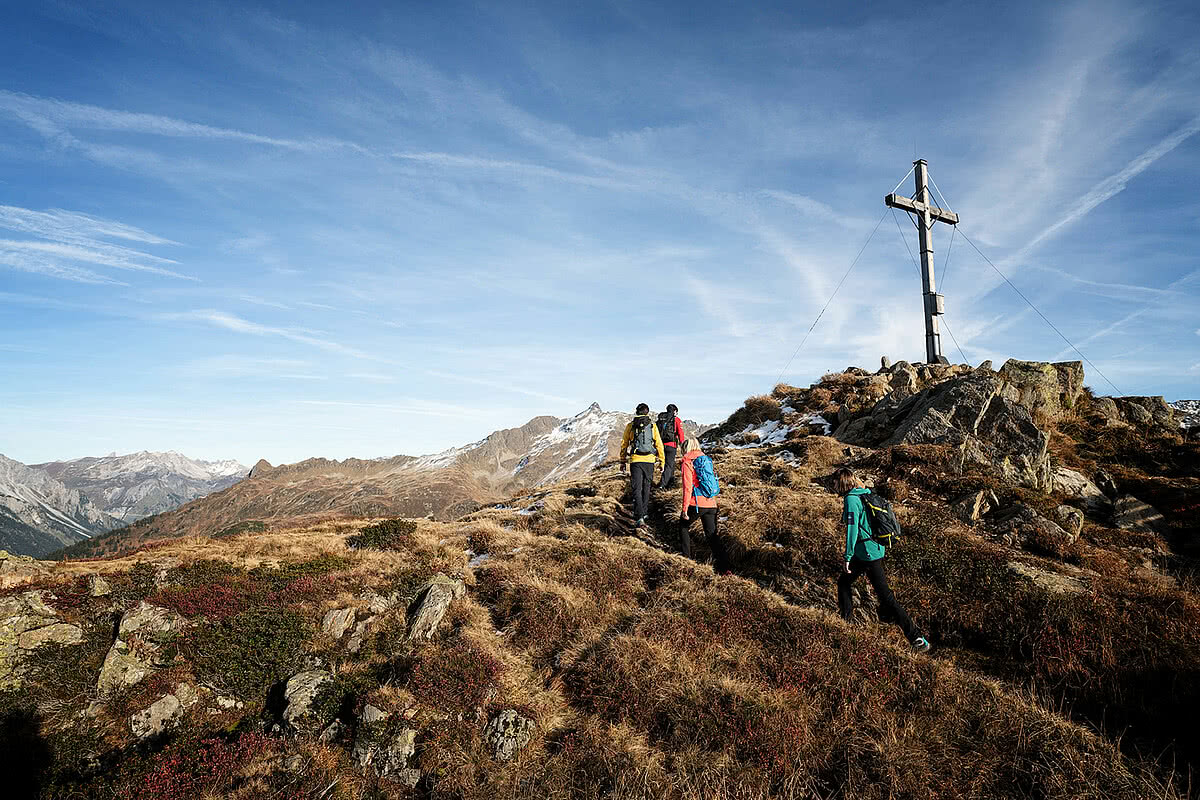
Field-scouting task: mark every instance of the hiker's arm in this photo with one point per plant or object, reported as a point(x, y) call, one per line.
point(625, 442)
point(680, 437)
point(687, 474)
point(853, 509)
point(658, 445)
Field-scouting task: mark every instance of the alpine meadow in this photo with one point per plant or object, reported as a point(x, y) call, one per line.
point(603, 401)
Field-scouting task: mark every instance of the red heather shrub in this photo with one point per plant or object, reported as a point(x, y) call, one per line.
point(70, 596)
point(190, 769)
point(458, 678)
point(213, 600)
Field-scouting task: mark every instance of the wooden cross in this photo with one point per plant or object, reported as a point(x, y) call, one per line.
point(926, 214)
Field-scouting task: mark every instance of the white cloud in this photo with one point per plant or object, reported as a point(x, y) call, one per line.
point(230, 322)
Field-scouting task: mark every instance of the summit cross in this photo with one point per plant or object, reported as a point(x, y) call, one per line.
point(926, 213)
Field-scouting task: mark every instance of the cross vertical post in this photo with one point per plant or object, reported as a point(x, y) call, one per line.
point(926, 214)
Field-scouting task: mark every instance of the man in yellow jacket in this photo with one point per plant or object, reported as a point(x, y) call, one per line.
point(641, 447)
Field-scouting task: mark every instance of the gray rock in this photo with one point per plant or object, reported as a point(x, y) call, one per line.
point(299, 693)
point(372, 715)
point(986, 366)
point(333, 731)
point(1070, 519)
point(972, 507)
point(21, 615)
point(163, 713)
point(1046, 390)
point(359, 635)
point(1050, 581)
point(58, 633)
point(394, 757)
point(1131, 514)
point(1075, 485)
point(1106, 408)
point(1136, 414)
point(885, 364)
point(98, 587)
point(433, 600)
point(507, 733)
point(409, 778)
point(141, 646)
point(338, 621)
point(1106, 483)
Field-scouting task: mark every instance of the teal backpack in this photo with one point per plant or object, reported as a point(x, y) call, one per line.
point(706, 479)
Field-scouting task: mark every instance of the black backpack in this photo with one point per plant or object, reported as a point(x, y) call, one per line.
point(881, 519)
point(643, 436)
point(666, 428)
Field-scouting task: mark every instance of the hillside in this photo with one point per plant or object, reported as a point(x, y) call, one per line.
point(544, 648)
point(445, 485)
point(39, 514)
point(138, 485)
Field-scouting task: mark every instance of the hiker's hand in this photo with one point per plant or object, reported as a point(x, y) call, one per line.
point(622, 467)
point(683, 517)
point(847, 570)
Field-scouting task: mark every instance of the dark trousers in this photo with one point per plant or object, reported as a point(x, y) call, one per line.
point(668, 476)
point(708, 519)
point(887, 601)
point(641, 478)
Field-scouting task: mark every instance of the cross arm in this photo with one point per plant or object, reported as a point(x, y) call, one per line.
point(910, 205)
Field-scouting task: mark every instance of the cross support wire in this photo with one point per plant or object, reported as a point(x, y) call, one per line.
point(926, 213)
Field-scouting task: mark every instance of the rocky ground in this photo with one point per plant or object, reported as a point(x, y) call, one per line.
point(546, 648)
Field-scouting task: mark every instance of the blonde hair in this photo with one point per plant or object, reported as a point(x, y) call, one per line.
point(690, 444)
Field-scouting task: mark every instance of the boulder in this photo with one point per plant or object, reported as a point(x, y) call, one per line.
point(1106, 408)
point(1021, 525)
point(143, 646)
point(1054, 582)
point(1047, 390)
point(394, 756)
point(164, 712)
point(98, 587)
point(1076, 485)
point(986, 366)
point(431, 603)
point(1149, 412)
point(1009, 444)
point(58, 633)
point(17, 570)
point(1070, 519)
point(338, 621)
point(1106, 483)
point(27, 622)
point(885, 363)
point(507, 733)
point(972, 508)
point(299, 692)
point(1131, 514)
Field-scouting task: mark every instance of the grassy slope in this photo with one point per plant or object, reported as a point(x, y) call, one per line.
point(647, 675)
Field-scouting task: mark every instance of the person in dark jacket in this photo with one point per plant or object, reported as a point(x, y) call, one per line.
point(671, 431)
point(865, 555)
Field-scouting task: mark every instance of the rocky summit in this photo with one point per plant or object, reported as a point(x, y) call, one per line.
point(543, 646)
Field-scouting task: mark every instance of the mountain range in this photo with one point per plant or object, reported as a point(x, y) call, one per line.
point(443, 485)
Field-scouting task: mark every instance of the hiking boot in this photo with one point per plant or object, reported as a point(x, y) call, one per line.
point(641, 523)
point(921, 645)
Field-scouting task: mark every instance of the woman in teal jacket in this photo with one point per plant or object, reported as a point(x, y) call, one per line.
point(864, 554)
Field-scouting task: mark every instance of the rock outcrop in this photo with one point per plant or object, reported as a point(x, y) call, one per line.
point(26, 623)
point(144, 644)
point(507, 734)
point(431, 603)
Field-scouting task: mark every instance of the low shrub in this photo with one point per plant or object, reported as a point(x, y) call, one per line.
point(460, 677)
point(189, 769)
point(249, 526)
point(391, 534)
point(248, 652)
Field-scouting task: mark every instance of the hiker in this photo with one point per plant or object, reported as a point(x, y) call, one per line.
point(700, 501)
point(864, 553)
point(642, 447)
point(670, 429)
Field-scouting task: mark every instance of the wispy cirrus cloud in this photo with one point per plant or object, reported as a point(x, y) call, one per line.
point(51, 117)
point(231, 322)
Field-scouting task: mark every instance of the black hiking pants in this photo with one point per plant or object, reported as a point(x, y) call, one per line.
point(641, 478)
point(887, 601)
point(668, 476)
point(708, 519)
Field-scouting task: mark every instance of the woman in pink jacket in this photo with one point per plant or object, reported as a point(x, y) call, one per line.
point(697, 505)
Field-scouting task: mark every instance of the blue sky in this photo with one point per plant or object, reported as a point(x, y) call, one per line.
point(287, 230)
